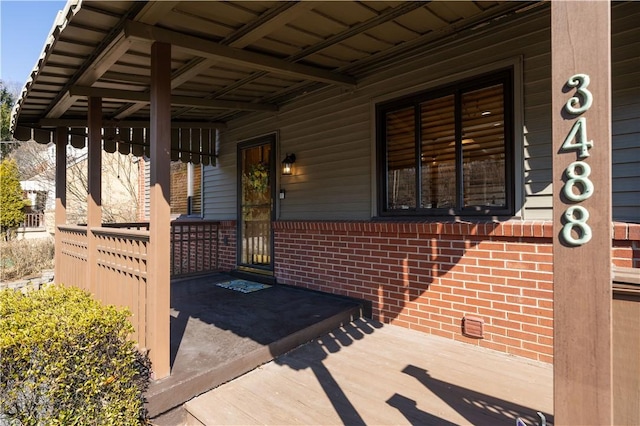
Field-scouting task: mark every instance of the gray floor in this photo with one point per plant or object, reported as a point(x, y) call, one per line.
point(219, 334)
point(366, 373)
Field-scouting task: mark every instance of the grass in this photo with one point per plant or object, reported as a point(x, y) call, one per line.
point(25, 258)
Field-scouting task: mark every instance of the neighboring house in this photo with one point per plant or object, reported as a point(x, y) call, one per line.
point(426, 140)
point(186, 190)
point(40, 192)
point(119, 188)
point(41, 196)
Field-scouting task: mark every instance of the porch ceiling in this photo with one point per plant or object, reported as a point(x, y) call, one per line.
point(228, 58)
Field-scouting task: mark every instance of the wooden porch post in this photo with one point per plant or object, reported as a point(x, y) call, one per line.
point(94, 198)
point(62, 135)
point(160, 217)
point(581, 102)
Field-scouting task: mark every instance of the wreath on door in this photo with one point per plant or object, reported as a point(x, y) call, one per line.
point(257, 179)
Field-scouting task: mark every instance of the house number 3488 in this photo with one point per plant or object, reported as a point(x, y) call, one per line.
point(577, 173)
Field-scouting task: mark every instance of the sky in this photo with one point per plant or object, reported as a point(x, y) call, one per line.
point(24, 28)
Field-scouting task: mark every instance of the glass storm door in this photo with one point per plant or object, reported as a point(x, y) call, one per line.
point(256, 205)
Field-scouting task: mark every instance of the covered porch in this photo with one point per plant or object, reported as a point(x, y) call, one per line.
point(159, 78)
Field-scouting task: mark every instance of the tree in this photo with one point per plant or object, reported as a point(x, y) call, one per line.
point(12, 203)
point(119, 180)
point(119, 189)
point(7, 100)
point(34, 161)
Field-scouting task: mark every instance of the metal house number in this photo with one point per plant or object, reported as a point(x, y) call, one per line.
point(577, 173)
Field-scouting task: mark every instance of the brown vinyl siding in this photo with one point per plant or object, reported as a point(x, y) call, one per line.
point(626, 113)
point(332, 132)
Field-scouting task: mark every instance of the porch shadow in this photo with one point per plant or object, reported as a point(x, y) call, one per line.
point(369, 373)
point(477, 408)
point(219, 334)
point(409, 408)
point(313, 354)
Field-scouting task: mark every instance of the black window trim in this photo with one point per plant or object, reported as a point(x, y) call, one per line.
point(503, 75)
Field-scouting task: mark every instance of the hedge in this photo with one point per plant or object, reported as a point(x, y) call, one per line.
point(66, 359)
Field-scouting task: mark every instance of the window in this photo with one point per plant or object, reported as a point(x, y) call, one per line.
point(448, 151)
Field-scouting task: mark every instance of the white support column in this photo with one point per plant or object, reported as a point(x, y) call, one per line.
point(581, 114)
point(158, 317)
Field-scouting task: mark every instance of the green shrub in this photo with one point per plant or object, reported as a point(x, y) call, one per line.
point(65, 359)
point(25, 258)
point(12, 211)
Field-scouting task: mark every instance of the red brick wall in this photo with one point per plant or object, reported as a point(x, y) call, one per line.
point(178, 188)
point(626, 245)
point(427, 276)
point(227, 245)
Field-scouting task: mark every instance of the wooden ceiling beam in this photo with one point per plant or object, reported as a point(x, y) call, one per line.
point(134, 124)
point(144, 97)
point(266, 23)
point(202, 47)
point(154, 11)
point(107, 58)
point(150, 14)
point(386, 16)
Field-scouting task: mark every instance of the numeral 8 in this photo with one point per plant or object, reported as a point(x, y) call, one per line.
point(573, 222)
point(582, 179)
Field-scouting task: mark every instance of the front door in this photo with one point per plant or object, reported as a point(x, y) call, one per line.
point(256, 175)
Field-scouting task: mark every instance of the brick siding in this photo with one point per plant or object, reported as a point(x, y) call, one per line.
point(227, 245)
point(178, 188)
point(428, 276)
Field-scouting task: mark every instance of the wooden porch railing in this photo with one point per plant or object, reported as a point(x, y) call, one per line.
point(194, 244)
point(122, 260)
point(72, 251)
point(122, 274)
point(194, 247)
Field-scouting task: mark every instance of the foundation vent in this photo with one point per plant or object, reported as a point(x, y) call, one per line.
point(473, 327)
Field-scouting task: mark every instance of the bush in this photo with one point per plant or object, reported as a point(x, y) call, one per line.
point(12, 212)
point(66, 360)
point(24, 258)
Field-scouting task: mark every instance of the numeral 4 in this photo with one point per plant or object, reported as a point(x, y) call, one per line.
point(579, 134)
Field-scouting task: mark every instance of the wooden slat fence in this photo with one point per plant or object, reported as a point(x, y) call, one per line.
point(122, 274)
point(122, 261)
point(194, 245)
point(73, 251)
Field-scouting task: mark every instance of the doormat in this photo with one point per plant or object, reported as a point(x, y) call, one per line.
point(243, 286)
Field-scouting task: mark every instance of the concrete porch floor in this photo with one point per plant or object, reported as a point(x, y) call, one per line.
point(219, 334)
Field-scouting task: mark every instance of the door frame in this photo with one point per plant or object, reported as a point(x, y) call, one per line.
point(265, 139)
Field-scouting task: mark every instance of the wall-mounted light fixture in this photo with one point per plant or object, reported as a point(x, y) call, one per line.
point(287, 164)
